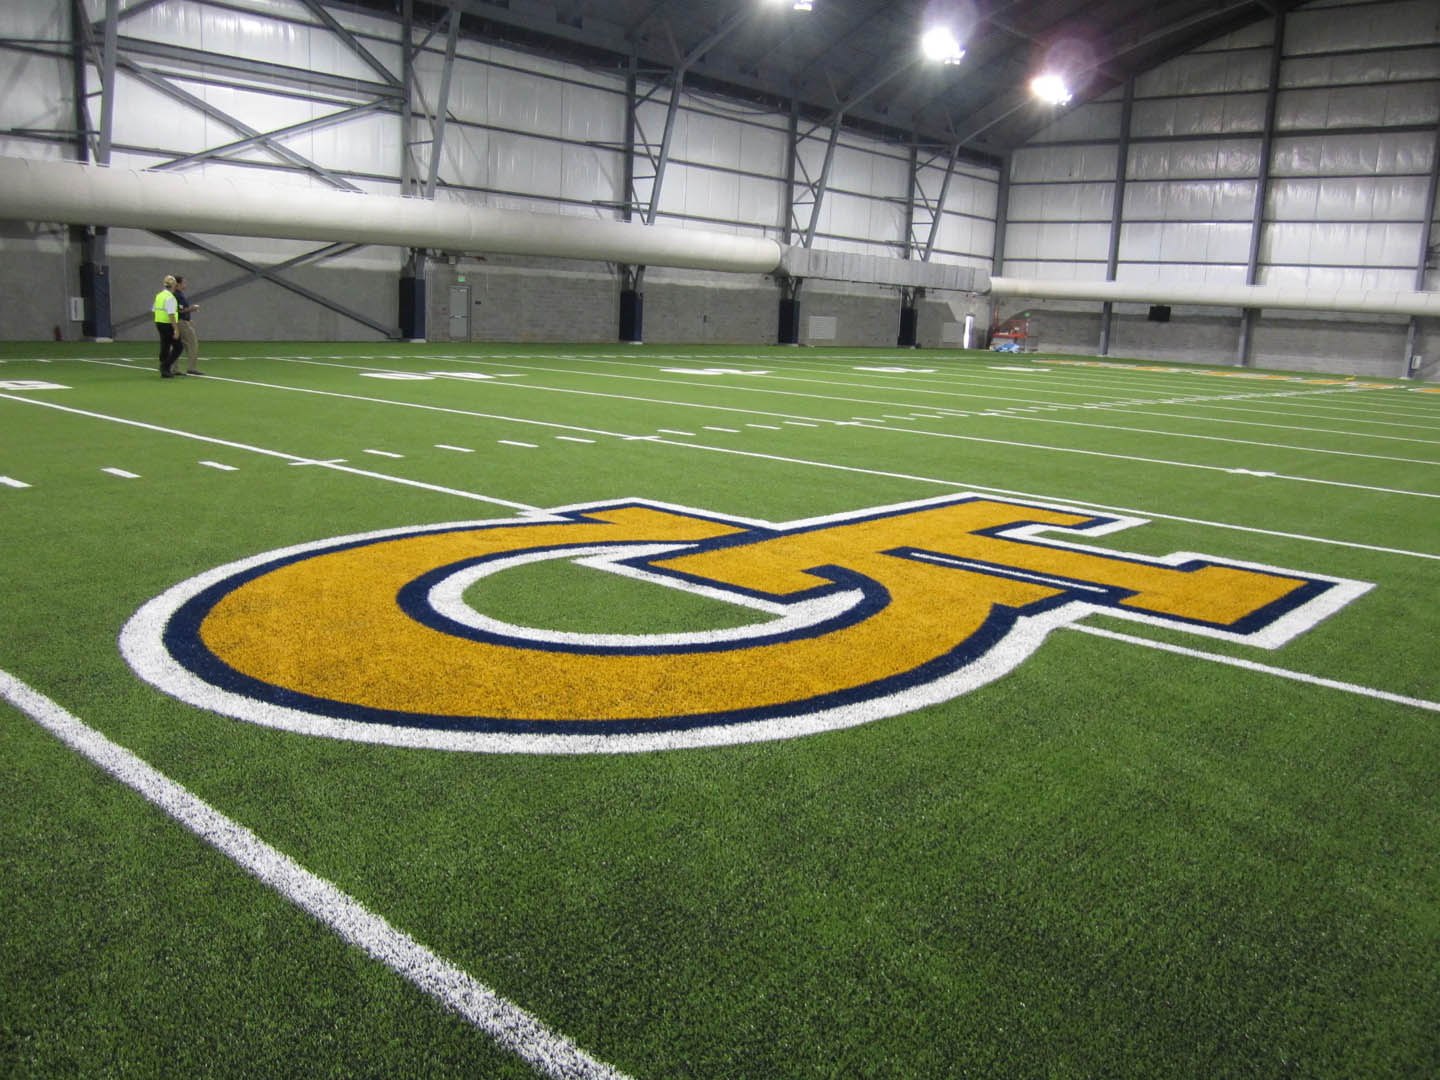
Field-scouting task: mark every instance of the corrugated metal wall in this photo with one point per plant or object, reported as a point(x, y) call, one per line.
point(1353, 144)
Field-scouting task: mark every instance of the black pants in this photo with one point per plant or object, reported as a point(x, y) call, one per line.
point(170, 346)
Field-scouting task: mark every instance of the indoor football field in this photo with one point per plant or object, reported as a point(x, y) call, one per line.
point(387, 710)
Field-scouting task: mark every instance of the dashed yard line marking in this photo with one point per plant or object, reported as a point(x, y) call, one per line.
point(11, 482)
point(383, 453)
point(457, 449)
point(124, 474)
point(512, 442)
point(764, 427)
point(517, 1031)
point(574, 438)
point(727, 430)
point(218, 465)
point(674, 431)
point(293, 459)
point(798, 423)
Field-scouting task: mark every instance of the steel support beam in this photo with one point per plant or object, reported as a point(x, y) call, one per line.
point(677, 84)
point(442, 106)
point(272, 275)
point(1117, 210)
point(1248, 316)
point(260, 138)
point(166, 87)
point(934, 235)
point(94, 242)
point(836, 120)
point(1422, 261)
point(351, 41)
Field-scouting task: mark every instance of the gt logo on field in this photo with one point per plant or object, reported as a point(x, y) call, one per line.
point(871, 614)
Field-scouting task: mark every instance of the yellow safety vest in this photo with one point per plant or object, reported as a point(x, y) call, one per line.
point(161, 315)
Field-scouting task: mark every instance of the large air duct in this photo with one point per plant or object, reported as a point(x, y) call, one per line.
point(1364, 301)
point(76, 194)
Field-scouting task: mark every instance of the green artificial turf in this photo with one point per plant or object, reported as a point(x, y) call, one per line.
point(1113, 861)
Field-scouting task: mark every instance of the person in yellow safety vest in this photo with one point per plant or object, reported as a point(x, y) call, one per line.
point(167, 319)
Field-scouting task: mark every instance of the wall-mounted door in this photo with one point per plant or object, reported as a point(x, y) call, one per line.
point(459, 312)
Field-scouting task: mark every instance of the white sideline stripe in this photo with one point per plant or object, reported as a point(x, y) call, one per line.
point(122, 473)
point(217, 465)
point(294, 459)
point(509, 1025)
point(10, 481)
point(1264, 669)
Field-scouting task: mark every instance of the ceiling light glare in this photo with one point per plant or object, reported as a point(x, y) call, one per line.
point(802, 5)
point(1050, 89)
point(938, 43)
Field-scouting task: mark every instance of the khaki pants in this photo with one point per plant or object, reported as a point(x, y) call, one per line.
point(190, 342)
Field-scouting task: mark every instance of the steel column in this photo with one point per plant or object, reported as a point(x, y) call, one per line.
point(1248, 316)
point(1427, 230)
point(1117, 210)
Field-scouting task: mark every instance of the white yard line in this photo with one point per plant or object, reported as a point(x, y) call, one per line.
point(517, 1031)
point(809, 463)
point(1264, 669)
point(914, 431)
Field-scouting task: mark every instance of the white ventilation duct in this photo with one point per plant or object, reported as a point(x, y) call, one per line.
point(1365, 301)
point(78, 194)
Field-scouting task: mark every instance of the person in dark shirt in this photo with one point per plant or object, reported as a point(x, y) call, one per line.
point(188, 340)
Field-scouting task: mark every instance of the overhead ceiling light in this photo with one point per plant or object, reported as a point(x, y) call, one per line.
point(939, 43)
point(1050, 88)
point(802, 5)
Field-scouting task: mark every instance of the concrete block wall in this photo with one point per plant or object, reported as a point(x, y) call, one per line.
point(1192, 336)
point(1372, 346)
point(524, 302)
point(1375, 348)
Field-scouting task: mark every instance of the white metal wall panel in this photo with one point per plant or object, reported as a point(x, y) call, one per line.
point(229, 32)
point(590, 176)
point(1374, 199)
point(764, 151)
point(523, 102)
point(365, 144)
point(761, 202)
point(1238, 158)
point(1206, 73)
point(1312, 29)
point(1375, 154)
point(1358, 106)
point(1361, 68)
point(1095, 120)
point(1229, 115)
point(589, 115)
point(1087, 162)
point(525, 164)
point(1190, 200)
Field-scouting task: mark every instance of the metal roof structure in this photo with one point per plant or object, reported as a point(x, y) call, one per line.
point(859, 60)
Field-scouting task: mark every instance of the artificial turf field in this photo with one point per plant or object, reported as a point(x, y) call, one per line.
point(1102, 835)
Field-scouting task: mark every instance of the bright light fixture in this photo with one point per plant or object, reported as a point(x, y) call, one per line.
point(1050, 89)
point(938, 43)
